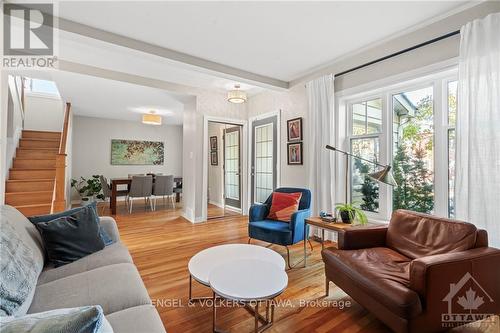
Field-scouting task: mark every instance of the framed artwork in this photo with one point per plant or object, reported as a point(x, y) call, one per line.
point(213, 143)
point(294, 129)
point(213, 158)
point(295, 153)
point(132, 152)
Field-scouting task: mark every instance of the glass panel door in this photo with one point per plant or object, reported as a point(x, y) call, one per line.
point(264, 159)
point(232, 179)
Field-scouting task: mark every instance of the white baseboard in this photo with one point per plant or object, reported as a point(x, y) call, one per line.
point(216, 203)
point(233, 209)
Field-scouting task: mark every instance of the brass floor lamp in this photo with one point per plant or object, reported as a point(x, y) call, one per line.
point(383, 176)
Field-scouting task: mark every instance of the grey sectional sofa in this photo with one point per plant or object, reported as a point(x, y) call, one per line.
point(108, 278)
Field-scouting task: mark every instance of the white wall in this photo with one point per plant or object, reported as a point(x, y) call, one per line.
point(205, 103)
point(4, 83)
point(91, 146)
point(215, 172)
point(14, 121)
point(43, 113)
point(293, 104)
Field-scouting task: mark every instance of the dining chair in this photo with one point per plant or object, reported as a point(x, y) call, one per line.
point(106, 191)
point(140, 187)
point(163, 187)
point(130, 175)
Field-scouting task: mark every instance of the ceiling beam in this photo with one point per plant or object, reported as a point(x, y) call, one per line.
point(207, 65)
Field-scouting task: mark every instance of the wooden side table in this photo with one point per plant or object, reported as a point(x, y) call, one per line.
point(337, 227)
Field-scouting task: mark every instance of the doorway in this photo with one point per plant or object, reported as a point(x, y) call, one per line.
point(224, 186)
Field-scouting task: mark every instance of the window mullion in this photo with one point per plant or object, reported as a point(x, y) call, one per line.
point(440, 149)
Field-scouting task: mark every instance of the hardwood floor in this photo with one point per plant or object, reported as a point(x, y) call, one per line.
point(215, 212)
point(161, 244)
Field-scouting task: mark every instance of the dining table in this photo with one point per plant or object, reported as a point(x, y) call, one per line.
point(115, 192)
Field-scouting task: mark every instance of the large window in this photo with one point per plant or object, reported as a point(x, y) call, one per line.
point(365, 142)
point(412, 128)
point(413, 150)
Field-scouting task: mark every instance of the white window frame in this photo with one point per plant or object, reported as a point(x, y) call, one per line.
point(438, 79)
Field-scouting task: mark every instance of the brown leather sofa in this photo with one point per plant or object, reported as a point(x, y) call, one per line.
point(420, 273)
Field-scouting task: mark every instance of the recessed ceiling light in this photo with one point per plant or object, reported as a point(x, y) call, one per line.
point(237, 96)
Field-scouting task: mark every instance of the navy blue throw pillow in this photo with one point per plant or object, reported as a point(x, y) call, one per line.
point(71, 237)
point(46, 218)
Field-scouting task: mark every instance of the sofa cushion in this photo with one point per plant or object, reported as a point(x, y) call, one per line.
point(142, 318)
point(86, 319)
point(71, 237)
point(25, 230)
point(115, 253)
point(19, 271)
point(419, 235)
point(380, 272)
point(50, 217)
point(114, 287)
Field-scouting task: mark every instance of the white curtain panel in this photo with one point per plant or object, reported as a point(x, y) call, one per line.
point(477, 190)
point(320, 132)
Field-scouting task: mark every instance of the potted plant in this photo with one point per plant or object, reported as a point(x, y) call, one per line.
point(88, 189)
point(349, 213)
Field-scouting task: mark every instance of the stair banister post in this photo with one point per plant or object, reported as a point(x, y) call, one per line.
point(59, 196)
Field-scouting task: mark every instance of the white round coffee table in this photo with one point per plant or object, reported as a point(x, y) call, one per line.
point(202, 263)
point(249, 281)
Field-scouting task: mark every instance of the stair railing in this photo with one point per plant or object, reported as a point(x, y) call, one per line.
point(59, 196)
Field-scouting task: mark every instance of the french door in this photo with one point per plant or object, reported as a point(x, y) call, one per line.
point(264, 158)
point(232, 166)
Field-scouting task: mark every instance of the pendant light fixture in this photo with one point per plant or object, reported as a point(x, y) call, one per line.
point(237, 96)
point(151, 118)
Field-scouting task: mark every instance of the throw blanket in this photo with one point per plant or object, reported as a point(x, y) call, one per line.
point(18, 270)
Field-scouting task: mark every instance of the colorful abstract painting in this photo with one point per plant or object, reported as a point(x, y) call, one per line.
point(132, 152)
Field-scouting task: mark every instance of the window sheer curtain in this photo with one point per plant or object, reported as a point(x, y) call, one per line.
point(478, 126)
point(321, 130)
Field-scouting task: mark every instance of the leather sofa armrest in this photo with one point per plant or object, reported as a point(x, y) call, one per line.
point(362, 238)
point(258, 212)
point(479, 262)
point(109, 225)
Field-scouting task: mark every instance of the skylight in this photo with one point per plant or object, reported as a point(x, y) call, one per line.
point(42, 87)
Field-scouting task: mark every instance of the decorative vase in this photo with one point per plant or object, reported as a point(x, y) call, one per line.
point(344, 216)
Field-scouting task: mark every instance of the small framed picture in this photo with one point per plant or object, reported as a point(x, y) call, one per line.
point(294, 127)
point(213, 158)
point(213, 143)
point(295, 153)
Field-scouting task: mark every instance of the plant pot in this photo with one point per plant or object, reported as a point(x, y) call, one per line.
point(344, 216)
point(87, 200)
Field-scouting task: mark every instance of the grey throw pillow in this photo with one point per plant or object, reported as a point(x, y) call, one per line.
point(46, 218)
point(87, 319)
point(69, 238)
point(18, 270)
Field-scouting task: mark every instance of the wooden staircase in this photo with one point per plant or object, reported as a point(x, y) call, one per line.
point(30, 187)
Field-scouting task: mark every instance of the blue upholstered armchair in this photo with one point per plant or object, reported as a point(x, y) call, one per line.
point(278, 232)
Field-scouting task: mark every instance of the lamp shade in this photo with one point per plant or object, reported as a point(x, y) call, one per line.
point(237, 96)
point(151, 119)
point(384, 176)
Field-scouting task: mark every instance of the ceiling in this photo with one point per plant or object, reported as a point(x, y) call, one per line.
point(280, 40)
point(102, 98)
